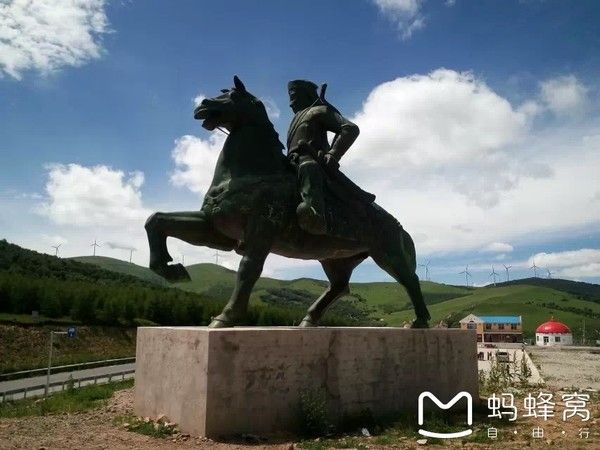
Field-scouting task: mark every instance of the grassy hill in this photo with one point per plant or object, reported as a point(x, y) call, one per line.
point(535, 304)
point(585, 291)
point(123, 267)
point(536, 299)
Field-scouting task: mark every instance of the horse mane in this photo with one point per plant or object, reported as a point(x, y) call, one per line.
point(263, 121)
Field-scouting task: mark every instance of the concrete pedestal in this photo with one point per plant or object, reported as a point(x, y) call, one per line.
point(219, 382)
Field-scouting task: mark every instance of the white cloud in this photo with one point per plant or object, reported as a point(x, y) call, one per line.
point(198, 99)
point(406, 14)
point(272, 110)
point(456, 163)
point(461, 167)
point(195, 161)
point(55, 239)
point(582, 263)
point(89, 196)
point(119, 246)
point(45, 35)
point(498, 247)
point(445, 126)
point(564, 95)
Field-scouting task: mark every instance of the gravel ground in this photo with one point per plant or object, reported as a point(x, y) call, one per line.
point(96, 430)
point(565, 368)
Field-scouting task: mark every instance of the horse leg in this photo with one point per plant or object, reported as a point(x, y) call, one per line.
point(249, 271)
point(397, 257)
point(190, 226)
point(338, 272)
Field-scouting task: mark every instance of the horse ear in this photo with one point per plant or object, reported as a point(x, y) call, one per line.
point(238, 84)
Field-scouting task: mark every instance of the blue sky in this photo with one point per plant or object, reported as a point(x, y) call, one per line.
point(480, 120)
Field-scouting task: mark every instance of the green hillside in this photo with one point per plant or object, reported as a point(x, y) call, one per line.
point(536, 299)
point(586, 291)
point(534, 303)
point(124, 267)
point(109, 292)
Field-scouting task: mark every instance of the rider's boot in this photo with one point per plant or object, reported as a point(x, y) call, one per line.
point(311, 211)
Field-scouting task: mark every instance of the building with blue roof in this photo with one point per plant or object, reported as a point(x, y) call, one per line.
point(495, 328)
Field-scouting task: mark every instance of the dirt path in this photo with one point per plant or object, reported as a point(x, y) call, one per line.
point(97, 430)
point(564, 367)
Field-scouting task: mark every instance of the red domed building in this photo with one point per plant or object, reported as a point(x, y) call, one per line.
point(553, 333)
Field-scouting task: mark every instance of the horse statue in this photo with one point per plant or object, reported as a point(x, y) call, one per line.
point(250, 207)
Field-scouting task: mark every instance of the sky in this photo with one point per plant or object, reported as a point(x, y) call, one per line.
point(480, 122)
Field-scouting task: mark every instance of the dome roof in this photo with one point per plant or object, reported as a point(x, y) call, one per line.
point(553, 326)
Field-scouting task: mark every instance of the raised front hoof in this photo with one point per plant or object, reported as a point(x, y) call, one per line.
point(307, 323)
point(173, 273)
point(420, 323)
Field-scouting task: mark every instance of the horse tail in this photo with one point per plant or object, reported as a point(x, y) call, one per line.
point(409, 249)
point(394, 234)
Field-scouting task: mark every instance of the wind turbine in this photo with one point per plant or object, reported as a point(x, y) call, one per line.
point(549, 273)
point(467, 274)
point(506, 268)
point(56, 247)
point(426, 269)
point(183, 259)
point(216, 255)
point(95, 245)
point(535, 268)
point(493, 274)
point(131, 250)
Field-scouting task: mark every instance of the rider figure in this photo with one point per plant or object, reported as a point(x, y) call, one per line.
point(309, 149)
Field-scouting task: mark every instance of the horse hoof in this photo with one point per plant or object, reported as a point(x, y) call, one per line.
point(307, 323)
point(420, 323)
point(218, 323)
point(176, 273)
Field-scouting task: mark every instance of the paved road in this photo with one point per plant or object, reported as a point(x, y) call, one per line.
point(102, 372)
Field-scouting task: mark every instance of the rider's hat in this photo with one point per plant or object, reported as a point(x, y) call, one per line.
point(305, 85)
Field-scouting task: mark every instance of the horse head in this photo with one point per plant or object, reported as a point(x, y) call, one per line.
point(232, 109)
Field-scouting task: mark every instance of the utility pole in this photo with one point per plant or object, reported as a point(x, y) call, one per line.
point(583, 337)
point(52, 333)
point(70, 333)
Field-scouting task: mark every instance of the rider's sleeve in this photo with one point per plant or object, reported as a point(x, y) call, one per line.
point(346, 131)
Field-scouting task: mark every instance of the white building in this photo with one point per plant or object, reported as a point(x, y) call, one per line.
point(552, 333)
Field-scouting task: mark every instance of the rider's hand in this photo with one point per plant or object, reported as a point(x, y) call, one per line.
point(331, 161)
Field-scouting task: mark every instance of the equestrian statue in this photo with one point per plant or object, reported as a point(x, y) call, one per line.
point(301, 205)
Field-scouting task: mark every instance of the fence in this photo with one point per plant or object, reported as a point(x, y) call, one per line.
point(67, 368)
point(35, 391)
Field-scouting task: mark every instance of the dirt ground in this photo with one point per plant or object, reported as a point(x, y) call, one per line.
point(565, 368)
point(96, 429)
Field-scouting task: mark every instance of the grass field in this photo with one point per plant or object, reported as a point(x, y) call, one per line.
point(70, 401)
point(117, 265)
point(526, 301)
point(389, 302)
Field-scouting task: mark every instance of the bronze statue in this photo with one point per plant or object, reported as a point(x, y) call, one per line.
point(251, 204)
point(309, 149)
